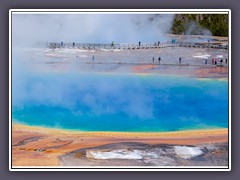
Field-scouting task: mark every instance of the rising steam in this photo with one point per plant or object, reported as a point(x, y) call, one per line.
point(91, 28)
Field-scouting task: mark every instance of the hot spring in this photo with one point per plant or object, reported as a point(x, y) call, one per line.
point(117, 102)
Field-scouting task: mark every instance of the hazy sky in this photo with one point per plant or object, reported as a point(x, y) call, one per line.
point(104, 28)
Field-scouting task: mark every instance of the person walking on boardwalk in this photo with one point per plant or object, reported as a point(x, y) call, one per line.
point(180, 60)
point(159, 59)
point(213, 60)
point(221, 61)
point(153, 60)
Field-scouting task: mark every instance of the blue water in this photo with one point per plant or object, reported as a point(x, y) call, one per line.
point(114, 102)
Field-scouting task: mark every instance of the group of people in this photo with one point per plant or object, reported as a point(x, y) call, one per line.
point(214, 61)
point(158, 43)
point(159, 60)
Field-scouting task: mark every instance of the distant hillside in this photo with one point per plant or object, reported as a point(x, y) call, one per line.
point(201, 24)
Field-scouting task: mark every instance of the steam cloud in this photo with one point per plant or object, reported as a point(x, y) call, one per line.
point(195, 29)
point(89, 28)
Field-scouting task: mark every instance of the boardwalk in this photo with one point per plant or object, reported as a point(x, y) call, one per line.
point(54, 45)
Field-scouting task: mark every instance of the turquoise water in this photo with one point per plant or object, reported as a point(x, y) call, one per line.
point(114, 102)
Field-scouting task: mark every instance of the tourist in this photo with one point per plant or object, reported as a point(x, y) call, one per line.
point(221, 61)
point(159, 59)
point(153, 60)
point(139, 43)
point(73, 44)
point(213, 60)
point(158, 43)
point(205, 61)
point(180, 60)
point(226, 61)
point(93, 58)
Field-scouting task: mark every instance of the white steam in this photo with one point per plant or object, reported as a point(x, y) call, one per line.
point(28, 29)
point(196, 29)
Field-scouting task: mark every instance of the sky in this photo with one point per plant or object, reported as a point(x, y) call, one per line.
point(28, 29)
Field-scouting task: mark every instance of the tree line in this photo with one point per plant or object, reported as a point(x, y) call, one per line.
point(199, 24)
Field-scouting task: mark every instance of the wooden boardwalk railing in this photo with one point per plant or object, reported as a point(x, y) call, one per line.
point(166, 44)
